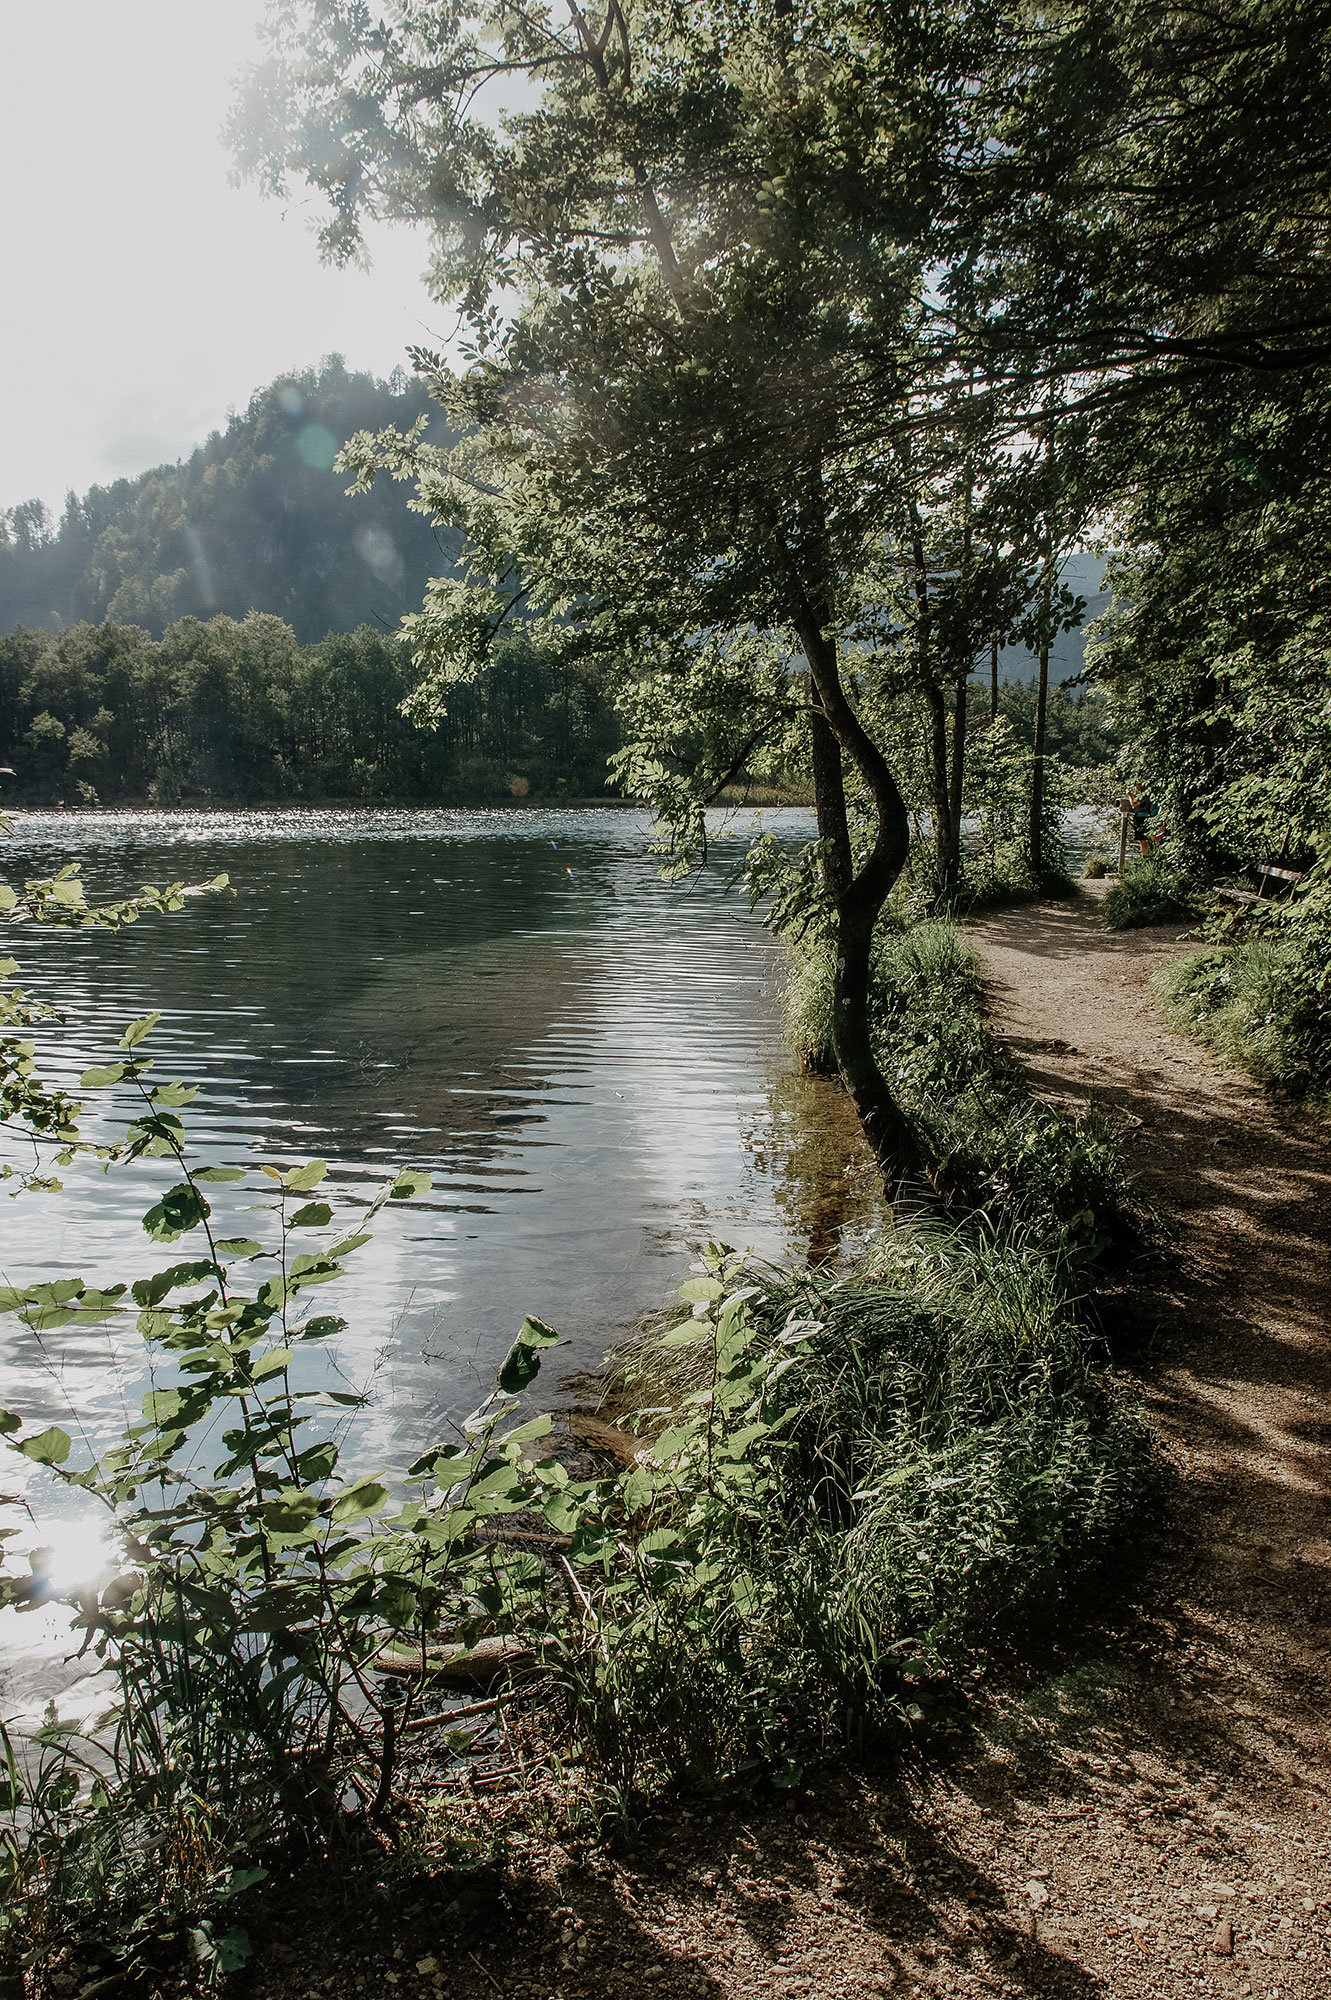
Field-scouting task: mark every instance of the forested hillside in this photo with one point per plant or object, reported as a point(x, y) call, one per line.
point(254, 520)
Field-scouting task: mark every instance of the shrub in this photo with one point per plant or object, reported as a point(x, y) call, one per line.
point(1263, 1005)
point(1098, 866)
point(259, 1584)
point(857, 1475)
point(994, 1146)
point(1151, 892)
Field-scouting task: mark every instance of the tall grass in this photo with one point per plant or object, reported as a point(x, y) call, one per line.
point(1262, 1005)
point(936, 1454)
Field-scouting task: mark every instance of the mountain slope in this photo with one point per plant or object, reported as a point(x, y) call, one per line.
point(254, 520)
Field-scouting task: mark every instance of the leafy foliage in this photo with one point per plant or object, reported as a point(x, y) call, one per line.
point(1262, 998)
point(857, 1474)
point(240, 710)
point(45, 1116)
point(996, 1148)
point(1151, 891)
point(261, 1587)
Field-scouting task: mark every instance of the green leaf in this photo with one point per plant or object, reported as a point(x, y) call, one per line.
point(175, 1093)
point(673, 1441)
point(408, 1185)
point(238, 1246)
point(219, 1174)
point(12, 1299)
point(700, 1291)
point(359, 1500)
point(161, 1406)
point(564, 1512)
point(687, 1335)
point(290, 1513)
point(138, 1031)
point(319, 1462)
point(639, 1489)
point(232, 1950)
point(321, 1328)
point(241, 1878)
point(44, 1319)
point(97, 1079)
point(313, 1216)
point(49, 1447)
point(537, 1428)
point(522, 1364)
point(272, 1363)
point(301, 1179)
point(181, 1208)
point(151, 1291)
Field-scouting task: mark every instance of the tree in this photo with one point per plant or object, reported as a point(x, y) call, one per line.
point(681, 268)
point(1152, 210)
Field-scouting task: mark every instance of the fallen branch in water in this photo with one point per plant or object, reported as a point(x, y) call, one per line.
point(447, 1715)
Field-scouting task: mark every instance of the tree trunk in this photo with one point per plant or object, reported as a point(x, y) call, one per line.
point(952, 880)
point(993, 680)
point(857, 899)
point(939, 790)
point(1037, 766)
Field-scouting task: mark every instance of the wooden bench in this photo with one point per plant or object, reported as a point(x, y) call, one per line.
point(1270, 871)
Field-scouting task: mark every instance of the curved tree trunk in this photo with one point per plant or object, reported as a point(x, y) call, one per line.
point(857, 898)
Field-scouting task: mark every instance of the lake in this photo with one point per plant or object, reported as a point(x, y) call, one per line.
point(587, 1060)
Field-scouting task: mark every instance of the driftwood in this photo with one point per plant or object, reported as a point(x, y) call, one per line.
point(604, 1437)
point(464, 1666)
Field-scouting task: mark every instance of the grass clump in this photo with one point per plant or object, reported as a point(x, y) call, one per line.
point(857, 1475)
point(1261, 996)
point(1150, 892)
point(1260, 1005)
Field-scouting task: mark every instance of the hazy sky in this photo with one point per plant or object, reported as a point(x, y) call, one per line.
point(144, 296)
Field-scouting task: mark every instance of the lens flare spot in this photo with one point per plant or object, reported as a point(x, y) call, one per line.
point(374, 545)
point(317, 447)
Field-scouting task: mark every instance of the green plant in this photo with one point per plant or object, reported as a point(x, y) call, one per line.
point(1150, 892)
point(1097, 866)
point(1262, 1002)
point(993, 1146)
point(262, 1587)
point(843, 1479)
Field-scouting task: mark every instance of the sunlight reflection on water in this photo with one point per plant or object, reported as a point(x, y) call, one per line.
point(587, 1060)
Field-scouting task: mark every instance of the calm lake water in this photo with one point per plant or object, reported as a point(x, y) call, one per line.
point(587, 1060)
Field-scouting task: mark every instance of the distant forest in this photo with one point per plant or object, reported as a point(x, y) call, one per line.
point(229, 710)
point(254, 520)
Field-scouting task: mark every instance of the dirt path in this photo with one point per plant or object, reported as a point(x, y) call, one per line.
point(1149, 1814)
